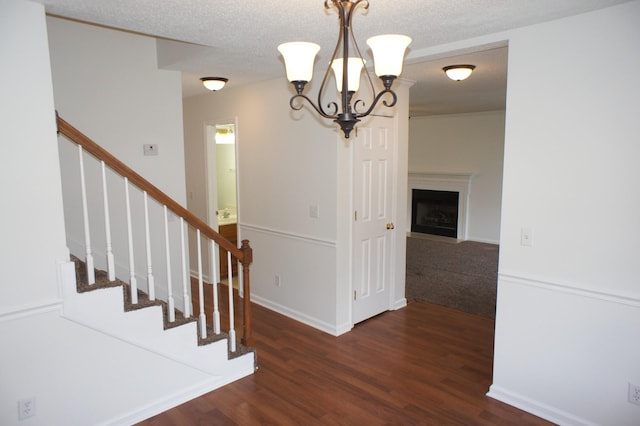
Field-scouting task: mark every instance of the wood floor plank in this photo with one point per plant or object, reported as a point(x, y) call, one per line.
point(421, 365)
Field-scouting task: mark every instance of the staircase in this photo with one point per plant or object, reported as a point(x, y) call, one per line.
point(122, 302)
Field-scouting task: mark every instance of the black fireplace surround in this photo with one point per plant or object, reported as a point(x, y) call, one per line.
point(434, 212)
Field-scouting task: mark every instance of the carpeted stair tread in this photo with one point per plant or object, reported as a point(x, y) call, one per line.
point(102, 281)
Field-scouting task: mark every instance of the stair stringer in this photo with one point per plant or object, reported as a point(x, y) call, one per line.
point(103, 310)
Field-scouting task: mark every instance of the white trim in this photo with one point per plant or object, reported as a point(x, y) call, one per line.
point(290, 235)
point(570, 288)
point(171, 401)
point(456, 182)
point(537, 408)
point(31, 309)
point(303, 318)
point(399, 304)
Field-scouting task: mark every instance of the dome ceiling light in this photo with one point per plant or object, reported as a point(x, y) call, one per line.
point(459, 72)
point(214, 83)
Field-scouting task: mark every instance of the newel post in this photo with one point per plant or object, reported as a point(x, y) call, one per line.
point(247, 258)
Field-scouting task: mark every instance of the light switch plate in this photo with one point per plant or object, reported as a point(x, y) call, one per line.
point(150, 149)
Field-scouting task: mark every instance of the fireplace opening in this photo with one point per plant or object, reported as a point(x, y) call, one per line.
point(434, 212)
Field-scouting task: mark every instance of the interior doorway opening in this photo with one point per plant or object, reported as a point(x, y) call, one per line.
point(222, 188)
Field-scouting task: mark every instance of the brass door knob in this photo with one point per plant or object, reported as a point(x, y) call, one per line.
point(390, 225)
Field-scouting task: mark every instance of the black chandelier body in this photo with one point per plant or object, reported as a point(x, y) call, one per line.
point(347, 114)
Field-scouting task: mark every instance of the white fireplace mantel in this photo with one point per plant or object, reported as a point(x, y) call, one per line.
point(456, 182)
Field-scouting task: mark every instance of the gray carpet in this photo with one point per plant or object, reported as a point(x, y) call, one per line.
point(461, 275)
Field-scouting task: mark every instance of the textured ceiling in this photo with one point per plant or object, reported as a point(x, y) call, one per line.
point(238, 39)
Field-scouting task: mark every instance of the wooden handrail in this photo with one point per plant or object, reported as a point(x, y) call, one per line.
point(103, 155)
point(244, 254)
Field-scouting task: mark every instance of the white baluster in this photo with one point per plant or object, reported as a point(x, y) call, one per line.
point(203, 317)
point(170, 302)
point(133, 283)
point(232, 331)
point(91, 273)
point(111, 268)
point(150, 281)
point(185, 276)
point(214, 283)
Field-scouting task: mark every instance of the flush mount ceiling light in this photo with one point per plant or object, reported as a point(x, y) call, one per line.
point(388, 52)
point(458, 72)
point(214, 83)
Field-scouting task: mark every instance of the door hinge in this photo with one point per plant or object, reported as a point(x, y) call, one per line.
point(355, 215)
point(354, 295)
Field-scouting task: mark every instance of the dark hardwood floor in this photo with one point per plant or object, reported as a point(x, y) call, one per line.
point(424, 364)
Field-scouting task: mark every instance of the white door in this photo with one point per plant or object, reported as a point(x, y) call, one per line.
point(373, 170)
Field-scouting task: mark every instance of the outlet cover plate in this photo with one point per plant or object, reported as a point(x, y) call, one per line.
point(634, 393)
point(26, 408)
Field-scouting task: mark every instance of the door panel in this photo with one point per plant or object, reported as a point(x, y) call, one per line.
point(372, 238)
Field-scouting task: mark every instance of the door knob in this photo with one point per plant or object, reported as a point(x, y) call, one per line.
point(390, 225)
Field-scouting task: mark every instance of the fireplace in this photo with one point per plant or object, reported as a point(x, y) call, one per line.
point(434, 212)
point(441, 203)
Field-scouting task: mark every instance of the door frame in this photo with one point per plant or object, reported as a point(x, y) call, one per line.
point(211, 178)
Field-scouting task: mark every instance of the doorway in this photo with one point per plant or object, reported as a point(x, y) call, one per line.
point(457, 132)
point(222, 190)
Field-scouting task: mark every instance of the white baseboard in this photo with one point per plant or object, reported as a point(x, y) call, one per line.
point(399, 304)
point(299, 316)
point(171, 401)
point(537, 408)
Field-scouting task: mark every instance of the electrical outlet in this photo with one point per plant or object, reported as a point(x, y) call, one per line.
point(634, 393)
point(26, 408)
point(277, 281)
point(526, 237)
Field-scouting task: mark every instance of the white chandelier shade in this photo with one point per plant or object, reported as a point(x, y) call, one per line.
point(388, 53)
point(354, 71)
point(298, 59)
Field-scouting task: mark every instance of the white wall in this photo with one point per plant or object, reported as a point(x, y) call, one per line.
point(569, 306)
point(284, 166)
point(106, 84)
point(288, 161)
point(81, 377)
point(76, 376)
point(468, 144)
point(32, 225)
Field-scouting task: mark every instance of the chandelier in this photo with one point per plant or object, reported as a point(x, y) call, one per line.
point(388, 52)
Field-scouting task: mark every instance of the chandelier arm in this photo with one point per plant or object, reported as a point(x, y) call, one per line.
point(318, 109)
point(344, 112)
point(327, 73)
point(357, 48)
point(394, 100)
